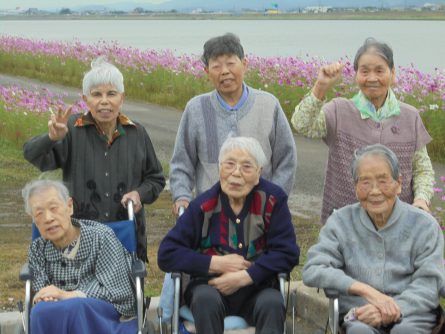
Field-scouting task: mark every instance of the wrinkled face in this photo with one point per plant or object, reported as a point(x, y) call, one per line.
point(238, 174)
point(51, 215)
point(376, 190)
point(227, 75)
point(104, 103)
point(374, 77)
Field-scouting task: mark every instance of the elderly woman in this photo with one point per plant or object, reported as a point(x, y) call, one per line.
point(373, 115)
point(82, 276)
point(106, 158)
point(233, 239)
point(384, 256)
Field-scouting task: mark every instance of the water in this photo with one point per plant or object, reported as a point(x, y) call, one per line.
point(418, 42)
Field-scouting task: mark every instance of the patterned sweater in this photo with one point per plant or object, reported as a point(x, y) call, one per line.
point(404, 259)
point(204, 126)
point(262, 233)
point(101, 268)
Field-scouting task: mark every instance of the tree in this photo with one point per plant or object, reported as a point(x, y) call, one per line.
point(65, 11)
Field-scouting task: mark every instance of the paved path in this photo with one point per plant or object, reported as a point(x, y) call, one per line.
point(162, 124)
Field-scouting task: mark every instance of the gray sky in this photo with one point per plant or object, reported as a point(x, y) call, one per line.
point(41, 4)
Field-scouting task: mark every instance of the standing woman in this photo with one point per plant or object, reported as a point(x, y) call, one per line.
point(106, 158)
point(373, 115)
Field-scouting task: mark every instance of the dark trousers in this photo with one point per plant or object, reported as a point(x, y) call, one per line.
point(260, 307)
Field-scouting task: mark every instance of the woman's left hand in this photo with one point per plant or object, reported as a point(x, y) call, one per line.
point(51, 293)
point(134, 197)
point(421, 204)
point(231, 282)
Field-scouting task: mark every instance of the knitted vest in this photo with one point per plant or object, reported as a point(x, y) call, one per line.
point(347, 131)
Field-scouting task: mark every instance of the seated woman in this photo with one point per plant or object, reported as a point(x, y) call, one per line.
point(233, 240)
point(82, 276)
point(384, 256)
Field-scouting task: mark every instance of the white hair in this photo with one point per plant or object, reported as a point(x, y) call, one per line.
point(247, 144)
point(38, 186)
point(102, 73)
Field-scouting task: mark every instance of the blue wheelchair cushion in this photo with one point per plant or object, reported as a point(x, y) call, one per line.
point(231, 322)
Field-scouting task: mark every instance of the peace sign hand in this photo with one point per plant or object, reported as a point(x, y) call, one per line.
point(57, 124)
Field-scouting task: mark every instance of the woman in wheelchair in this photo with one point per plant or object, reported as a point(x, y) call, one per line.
point(82, 279)
point(233, 240)
point(384, 256)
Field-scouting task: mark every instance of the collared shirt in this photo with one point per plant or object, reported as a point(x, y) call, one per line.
point(238, 105)
point(390, 108)
point(88, 119)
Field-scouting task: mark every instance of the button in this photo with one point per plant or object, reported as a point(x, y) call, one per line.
point(106, 153)
point(107, 195)
point(240, 245)
point(237, 221)
point(106, 173)
point(62, 283)
point(106, 214)
point(63, 264)
point(378, 125)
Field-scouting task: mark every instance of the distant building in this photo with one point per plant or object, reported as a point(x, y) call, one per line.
point(31, 11)
point(318, 9)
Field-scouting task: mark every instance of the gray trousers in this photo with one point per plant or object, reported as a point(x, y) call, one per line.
point(262, 308)
point(415, 324)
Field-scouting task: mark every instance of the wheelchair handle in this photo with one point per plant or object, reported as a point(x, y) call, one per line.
point(181, 210)
point(130, 209)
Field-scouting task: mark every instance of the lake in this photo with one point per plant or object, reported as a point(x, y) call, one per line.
point(418, 42)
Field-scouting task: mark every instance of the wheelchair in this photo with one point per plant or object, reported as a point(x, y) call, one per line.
point(334, 315)
point(125, 231)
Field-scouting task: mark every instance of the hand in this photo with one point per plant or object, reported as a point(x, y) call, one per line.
point(328, 75)
point(52, 293)
point(229, 283)
point(370, 315)
point(179, 203)
point(421, 204)
point(135, 198)
point(57, 124)
point(228, 263)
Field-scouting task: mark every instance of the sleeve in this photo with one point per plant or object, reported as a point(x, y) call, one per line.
point(46, 154)
point(323, 267)
point(36, 260)
point(422, 294)
point(284, 153)
point(112, 281)
point(184, 159)
point(153, 180)
point(308, 118)
point(423, 175)
point(282, 252)
point(178, 249)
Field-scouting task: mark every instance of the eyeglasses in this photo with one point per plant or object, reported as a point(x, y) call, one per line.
point(230, 166)
point(383, 184)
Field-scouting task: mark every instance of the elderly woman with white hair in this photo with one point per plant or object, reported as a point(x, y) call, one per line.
point(233, 240)
point(81, 272)
point(384, 256)
point(106, 158)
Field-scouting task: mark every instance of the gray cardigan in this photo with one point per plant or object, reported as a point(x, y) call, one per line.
point(204, 126)
point(403, 260)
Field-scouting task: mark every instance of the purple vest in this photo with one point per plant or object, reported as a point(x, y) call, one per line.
point(347, 131)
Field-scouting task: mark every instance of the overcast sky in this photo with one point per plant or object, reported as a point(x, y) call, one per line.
point(25, 4)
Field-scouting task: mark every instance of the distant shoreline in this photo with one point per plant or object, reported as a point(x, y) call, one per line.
point(362, 15)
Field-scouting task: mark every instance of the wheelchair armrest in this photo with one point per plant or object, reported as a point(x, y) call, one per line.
point(331, 293)
point(139, 269)
point(25, 272)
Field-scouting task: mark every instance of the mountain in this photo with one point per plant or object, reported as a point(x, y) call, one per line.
point(237, 5)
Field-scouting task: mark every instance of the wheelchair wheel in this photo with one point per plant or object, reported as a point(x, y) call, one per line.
point(149, 328)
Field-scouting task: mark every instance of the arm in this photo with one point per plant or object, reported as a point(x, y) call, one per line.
point(177, 251)
point(112, 277)
point(422, 294)
point(36, 259)
point(284, 153)
point(423, 179)
point(184, 160)
point(282, 251)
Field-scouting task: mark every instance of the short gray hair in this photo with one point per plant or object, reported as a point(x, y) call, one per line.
point(102, 73)
point(247, 144)
point(376, 150)
point(228, 44)
point(38, 186)
point(379, 48)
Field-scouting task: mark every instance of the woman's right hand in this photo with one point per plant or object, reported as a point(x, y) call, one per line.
point(57, 124)
point(328, 75)
point(228, 263)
